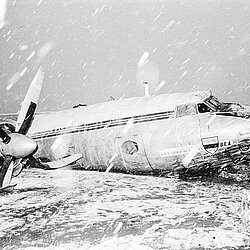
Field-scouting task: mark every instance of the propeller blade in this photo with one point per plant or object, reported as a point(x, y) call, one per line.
point(18, 167)
point(28, 119)
point(20, 145)
point(4, 136)
point(29, 103)
point(6, 172)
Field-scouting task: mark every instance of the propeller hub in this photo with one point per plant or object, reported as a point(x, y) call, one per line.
point(19, 146)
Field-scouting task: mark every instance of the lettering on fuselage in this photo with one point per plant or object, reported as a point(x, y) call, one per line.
point(185, 150)
point(179, 151)
point(212, 144)
point(224, 144)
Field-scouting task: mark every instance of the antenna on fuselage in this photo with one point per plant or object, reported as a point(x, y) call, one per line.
point(147, 73)
point(146, 89)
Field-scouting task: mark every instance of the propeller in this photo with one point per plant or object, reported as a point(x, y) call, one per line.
point(16, 146)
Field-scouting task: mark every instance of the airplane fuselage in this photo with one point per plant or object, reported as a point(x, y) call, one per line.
point(146, 134)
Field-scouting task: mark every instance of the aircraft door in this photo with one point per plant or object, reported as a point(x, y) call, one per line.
point(132, 152)
point(187, 125)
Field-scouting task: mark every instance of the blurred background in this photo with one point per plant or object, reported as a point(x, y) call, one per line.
point(90, 49)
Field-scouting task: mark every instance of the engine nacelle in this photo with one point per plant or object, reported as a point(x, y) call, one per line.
point(19, 146)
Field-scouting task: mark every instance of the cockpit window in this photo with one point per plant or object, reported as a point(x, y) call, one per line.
point(214, 103)
point(186, 109)
point(203, 108)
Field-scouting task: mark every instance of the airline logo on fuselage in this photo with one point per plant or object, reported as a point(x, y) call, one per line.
point(210, 144)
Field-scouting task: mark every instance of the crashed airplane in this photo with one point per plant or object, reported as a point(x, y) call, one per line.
point(183, 133)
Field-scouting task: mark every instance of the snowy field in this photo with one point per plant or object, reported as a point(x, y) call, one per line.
point(69, 209)
point(91, 50)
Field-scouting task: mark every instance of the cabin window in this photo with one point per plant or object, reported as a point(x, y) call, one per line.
point(186, 109)
point(130, 147)
point(203, 108)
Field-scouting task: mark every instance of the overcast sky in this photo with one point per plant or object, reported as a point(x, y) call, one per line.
point(89, 49)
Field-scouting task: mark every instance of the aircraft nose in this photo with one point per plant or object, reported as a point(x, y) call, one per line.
point(21, 145)
point(231, 128)
point(241, 128)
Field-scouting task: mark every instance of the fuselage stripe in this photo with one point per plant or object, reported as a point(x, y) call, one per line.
point(103, 125)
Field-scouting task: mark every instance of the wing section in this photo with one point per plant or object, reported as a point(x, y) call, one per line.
point(61, 163)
